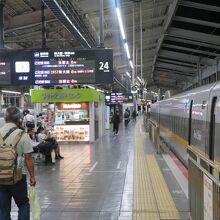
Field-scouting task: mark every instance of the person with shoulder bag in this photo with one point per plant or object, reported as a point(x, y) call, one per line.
point(15, 151)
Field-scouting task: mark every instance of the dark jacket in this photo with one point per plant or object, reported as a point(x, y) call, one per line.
point(116, 119)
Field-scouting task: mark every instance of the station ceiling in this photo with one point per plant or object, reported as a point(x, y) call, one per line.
point(177, 35)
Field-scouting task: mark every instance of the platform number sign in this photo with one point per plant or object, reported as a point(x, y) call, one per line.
point(104, 66)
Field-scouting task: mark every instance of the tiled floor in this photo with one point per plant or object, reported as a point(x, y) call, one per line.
point(95, 182)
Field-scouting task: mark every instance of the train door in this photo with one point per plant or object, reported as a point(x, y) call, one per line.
point(190, 123)
point(212, 129)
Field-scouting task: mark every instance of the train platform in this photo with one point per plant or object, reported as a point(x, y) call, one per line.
point(116, 178)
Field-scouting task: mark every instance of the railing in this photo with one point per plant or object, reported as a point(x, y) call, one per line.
point(154, 134)
point(204, 187)
point(146, 123)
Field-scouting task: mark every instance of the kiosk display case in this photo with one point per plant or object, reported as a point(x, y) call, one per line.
point(72, 122)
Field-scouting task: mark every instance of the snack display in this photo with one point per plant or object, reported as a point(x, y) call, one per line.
point(71, 132)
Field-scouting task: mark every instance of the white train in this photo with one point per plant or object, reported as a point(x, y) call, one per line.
point(191, 118)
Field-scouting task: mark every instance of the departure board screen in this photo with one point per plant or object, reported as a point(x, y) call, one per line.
point(117, 98)
point(56, 67)
point(69, 67)
point(5, 72)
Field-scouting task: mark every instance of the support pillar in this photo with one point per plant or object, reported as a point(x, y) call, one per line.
point(22, 101)
point(43, 20)
point(101, 24)
point(1, 101)
point(2, 4)
point(199, 73)
point(134, 64)
point(141, 41)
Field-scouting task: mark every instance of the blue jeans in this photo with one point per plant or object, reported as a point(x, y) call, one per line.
point(19, 193)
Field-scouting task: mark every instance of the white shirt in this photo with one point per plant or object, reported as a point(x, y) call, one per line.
point(29, 117)
point(41, 137)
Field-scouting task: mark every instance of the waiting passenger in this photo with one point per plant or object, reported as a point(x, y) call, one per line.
point(47, 144)
point(28, 120)
point(18, 191)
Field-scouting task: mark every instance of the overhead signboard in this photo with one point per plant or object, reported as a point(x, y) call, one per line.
point(117, 98)
point(56, 67)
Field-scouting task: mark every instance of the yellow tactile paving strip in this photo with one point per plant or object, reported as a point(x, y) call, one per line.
point(152, 199)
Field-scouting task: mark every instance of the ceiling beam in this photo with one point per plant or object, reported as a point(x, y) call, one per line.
point(200, 6)
point(186, 57)
point(181, 63)
point(175, 67)
point(196, 21)
point(172, 74)
point(165, 70)
point(170, 13)
point(190, 50)
point(27, 20)
point(193, 42)
point(194, 35)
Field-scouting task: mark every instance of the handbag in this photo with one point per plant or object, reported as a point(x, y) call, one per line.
point(34, 203)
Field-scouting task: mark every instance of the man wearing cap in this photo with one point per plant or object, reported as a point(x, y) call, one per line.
point(24, 149)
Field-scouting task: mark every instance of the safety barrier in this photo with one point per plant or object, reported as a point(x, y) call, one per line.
point(204, 187)
point(146, 123)
point(154, 134)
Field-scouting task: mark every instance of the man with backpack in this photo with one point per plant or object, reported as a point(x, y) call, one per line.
point(15, 150)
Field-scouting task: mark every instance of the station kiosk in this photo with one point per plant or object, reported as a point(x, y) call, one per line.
point(78, 114)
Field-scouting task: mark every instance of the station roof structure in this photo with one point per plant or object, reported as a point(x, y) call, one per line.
point(178, 36)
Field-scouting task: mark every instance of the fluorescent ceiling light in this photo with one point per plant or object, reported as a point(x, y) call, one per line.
point(129, 75)
point(91, 87)
point(12, 92)
point(99, 90)
point(127, 51)
point(120, 23)
point(131, 64)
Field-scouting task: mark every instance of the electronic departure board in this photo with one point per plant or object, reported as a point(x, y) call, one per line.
point(117, 98)
point(56, 67)
point(5, 72)
point(73, 67)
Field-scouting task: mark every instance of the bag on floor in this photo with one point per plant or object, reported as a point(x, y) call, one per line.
point(34, 203)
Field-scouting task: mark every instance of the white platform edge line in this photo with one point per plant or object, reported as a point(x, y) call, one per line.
point(93, 167)
point(181, 179)
point(119, 164)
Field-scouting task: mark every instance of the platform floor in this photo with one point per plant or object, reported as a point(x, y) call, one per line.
point(117, 178)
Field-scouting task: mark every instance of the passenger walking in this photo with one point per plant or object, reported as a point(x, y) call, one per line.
point(13, 181)
point(116, 122)
point(126, 117)
point(134, 115)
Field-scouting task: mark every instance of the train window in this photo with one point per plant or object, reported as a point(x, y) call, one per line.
point(190, 122)
point(212, 129)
